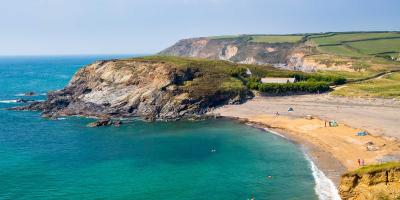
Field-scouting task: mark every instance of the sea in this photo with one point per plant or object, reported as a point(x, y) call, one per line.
point(186, 160)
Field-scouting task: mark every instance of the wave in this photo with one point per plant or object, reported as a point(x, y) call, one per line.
point(23, 94)
point(324, 187)
point(9, 101)
point(275, 133)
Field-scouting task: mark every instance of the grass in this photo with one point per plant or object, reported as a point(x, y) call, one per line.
point(346, 37)
point(348, 75)
point(385, 87)
point(276, 38)
point(261, 38)
point(221, 37)
point(340, 50)
point(375, 168)
point(377, 46)
point(357, 44)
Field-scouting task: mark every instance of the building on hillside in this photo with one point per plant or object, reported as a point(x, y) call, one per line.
point(277, 80)
point(248, 72)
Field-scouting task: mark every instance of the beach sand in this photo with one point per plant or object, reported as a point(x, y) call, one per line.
point(334, 149)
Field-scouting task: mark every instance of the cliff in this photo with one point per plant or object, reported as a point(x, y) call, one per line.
point(306, 52)
point(372, 182)
point(152, 88)
point(243, 49)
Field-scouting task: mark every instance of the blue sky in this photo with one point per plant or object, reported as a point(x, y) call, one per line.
point(43, 27)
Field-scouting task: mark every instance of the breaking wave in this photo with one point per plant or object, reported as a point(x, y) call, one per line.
point(324, 187)
point(8, 101)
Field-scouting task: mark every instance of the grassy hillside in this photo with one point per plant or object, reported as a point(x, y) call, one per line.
point(368, 54)
point(359, 44)
point(262, 38)
point(213, 76)
point(387, 86)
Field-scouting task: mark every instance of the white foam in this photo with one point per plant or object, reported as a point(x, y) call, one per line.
point(20, 95)
point(8, 101)
point(324, 187)
point(275, 133)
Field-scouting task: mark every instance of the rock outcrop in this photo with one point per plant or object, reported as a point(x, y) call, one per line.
point(370, 183)
point(153, 88)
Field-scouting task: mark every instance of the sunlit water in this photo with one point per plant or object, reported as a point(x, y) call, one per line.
point(64, 159)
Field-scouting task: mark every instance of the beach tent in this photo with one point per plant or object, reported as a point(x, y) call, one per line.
point(290, 109)
point(333, 123)
point(362, 133)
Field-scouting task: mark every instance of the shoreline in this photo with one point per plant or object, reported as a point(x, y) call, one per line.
point(324, 160)
point(334, 150)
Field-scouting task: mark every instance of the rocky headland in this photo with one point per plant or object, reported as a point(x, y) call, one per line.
point(153, 88)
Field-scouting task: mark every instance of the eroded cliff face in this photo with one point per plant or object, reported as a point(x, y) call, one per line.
point(235, 50)
point(135, 88)
point(374, 185)
point(301, 56)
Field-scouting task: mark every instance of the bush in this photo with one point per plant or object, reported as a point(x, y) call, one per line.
point(279, 88)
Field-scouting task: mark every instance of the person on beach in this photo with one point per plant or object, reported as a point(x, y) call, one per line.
point(359, 162)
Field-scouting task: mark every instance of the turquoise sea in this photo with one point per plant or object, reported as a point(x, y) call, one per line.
point(64, 159)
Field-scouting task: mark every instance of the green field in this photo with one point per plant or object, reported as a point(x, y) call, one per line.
point(276, 38)
point(347, 37)
point(223, 37)
point(341, 50)
point(358, 44)
point(261, 38)
point(377, 46)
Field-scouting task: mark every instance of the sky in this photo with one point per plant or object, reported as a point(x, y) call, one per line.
point(65, 27)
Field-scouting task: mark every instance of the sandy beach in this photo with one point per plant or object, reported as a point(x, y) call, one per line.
point(334, 149)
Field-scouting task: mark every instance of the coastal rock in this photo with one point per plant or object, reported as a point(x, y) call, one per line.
point(105, 122)
point(152, 89)
point(371, 182)
point(29, 94)
point(24, 100)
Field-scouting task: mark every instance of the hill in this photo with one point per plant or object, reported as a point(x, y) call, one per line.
point(353, 55)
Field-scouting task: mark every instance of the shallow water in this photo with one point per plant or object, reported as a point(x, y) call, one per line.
point(213, 159)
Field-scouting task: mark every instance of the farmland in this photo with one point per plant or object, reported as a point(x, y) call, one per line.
point(359, 44)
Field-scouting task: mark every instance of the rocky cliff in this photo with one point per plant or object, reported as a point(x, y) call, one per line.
point(241, 50)
point(372, 182)
point(281, 52)
point(151, 88)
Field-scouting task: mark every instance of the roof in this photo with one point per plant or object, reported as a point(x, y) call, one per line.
point(278, 80)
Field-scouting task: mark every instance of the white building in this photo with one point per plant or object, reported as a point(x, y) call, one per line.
point(278, 80)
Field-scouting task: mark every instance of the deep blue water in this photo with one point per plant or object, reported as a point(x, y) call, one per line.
point(64, 159)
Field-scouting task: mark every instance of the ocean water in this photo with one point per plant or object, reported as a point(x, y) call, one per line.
point(64, 159)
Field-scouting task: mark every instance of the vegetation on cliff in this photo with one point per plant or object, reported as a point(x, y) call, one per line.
point(380, 181)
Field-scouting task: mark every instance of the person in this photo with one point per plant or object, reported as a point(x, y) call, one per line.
point(362, 162)
point(359, 162)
